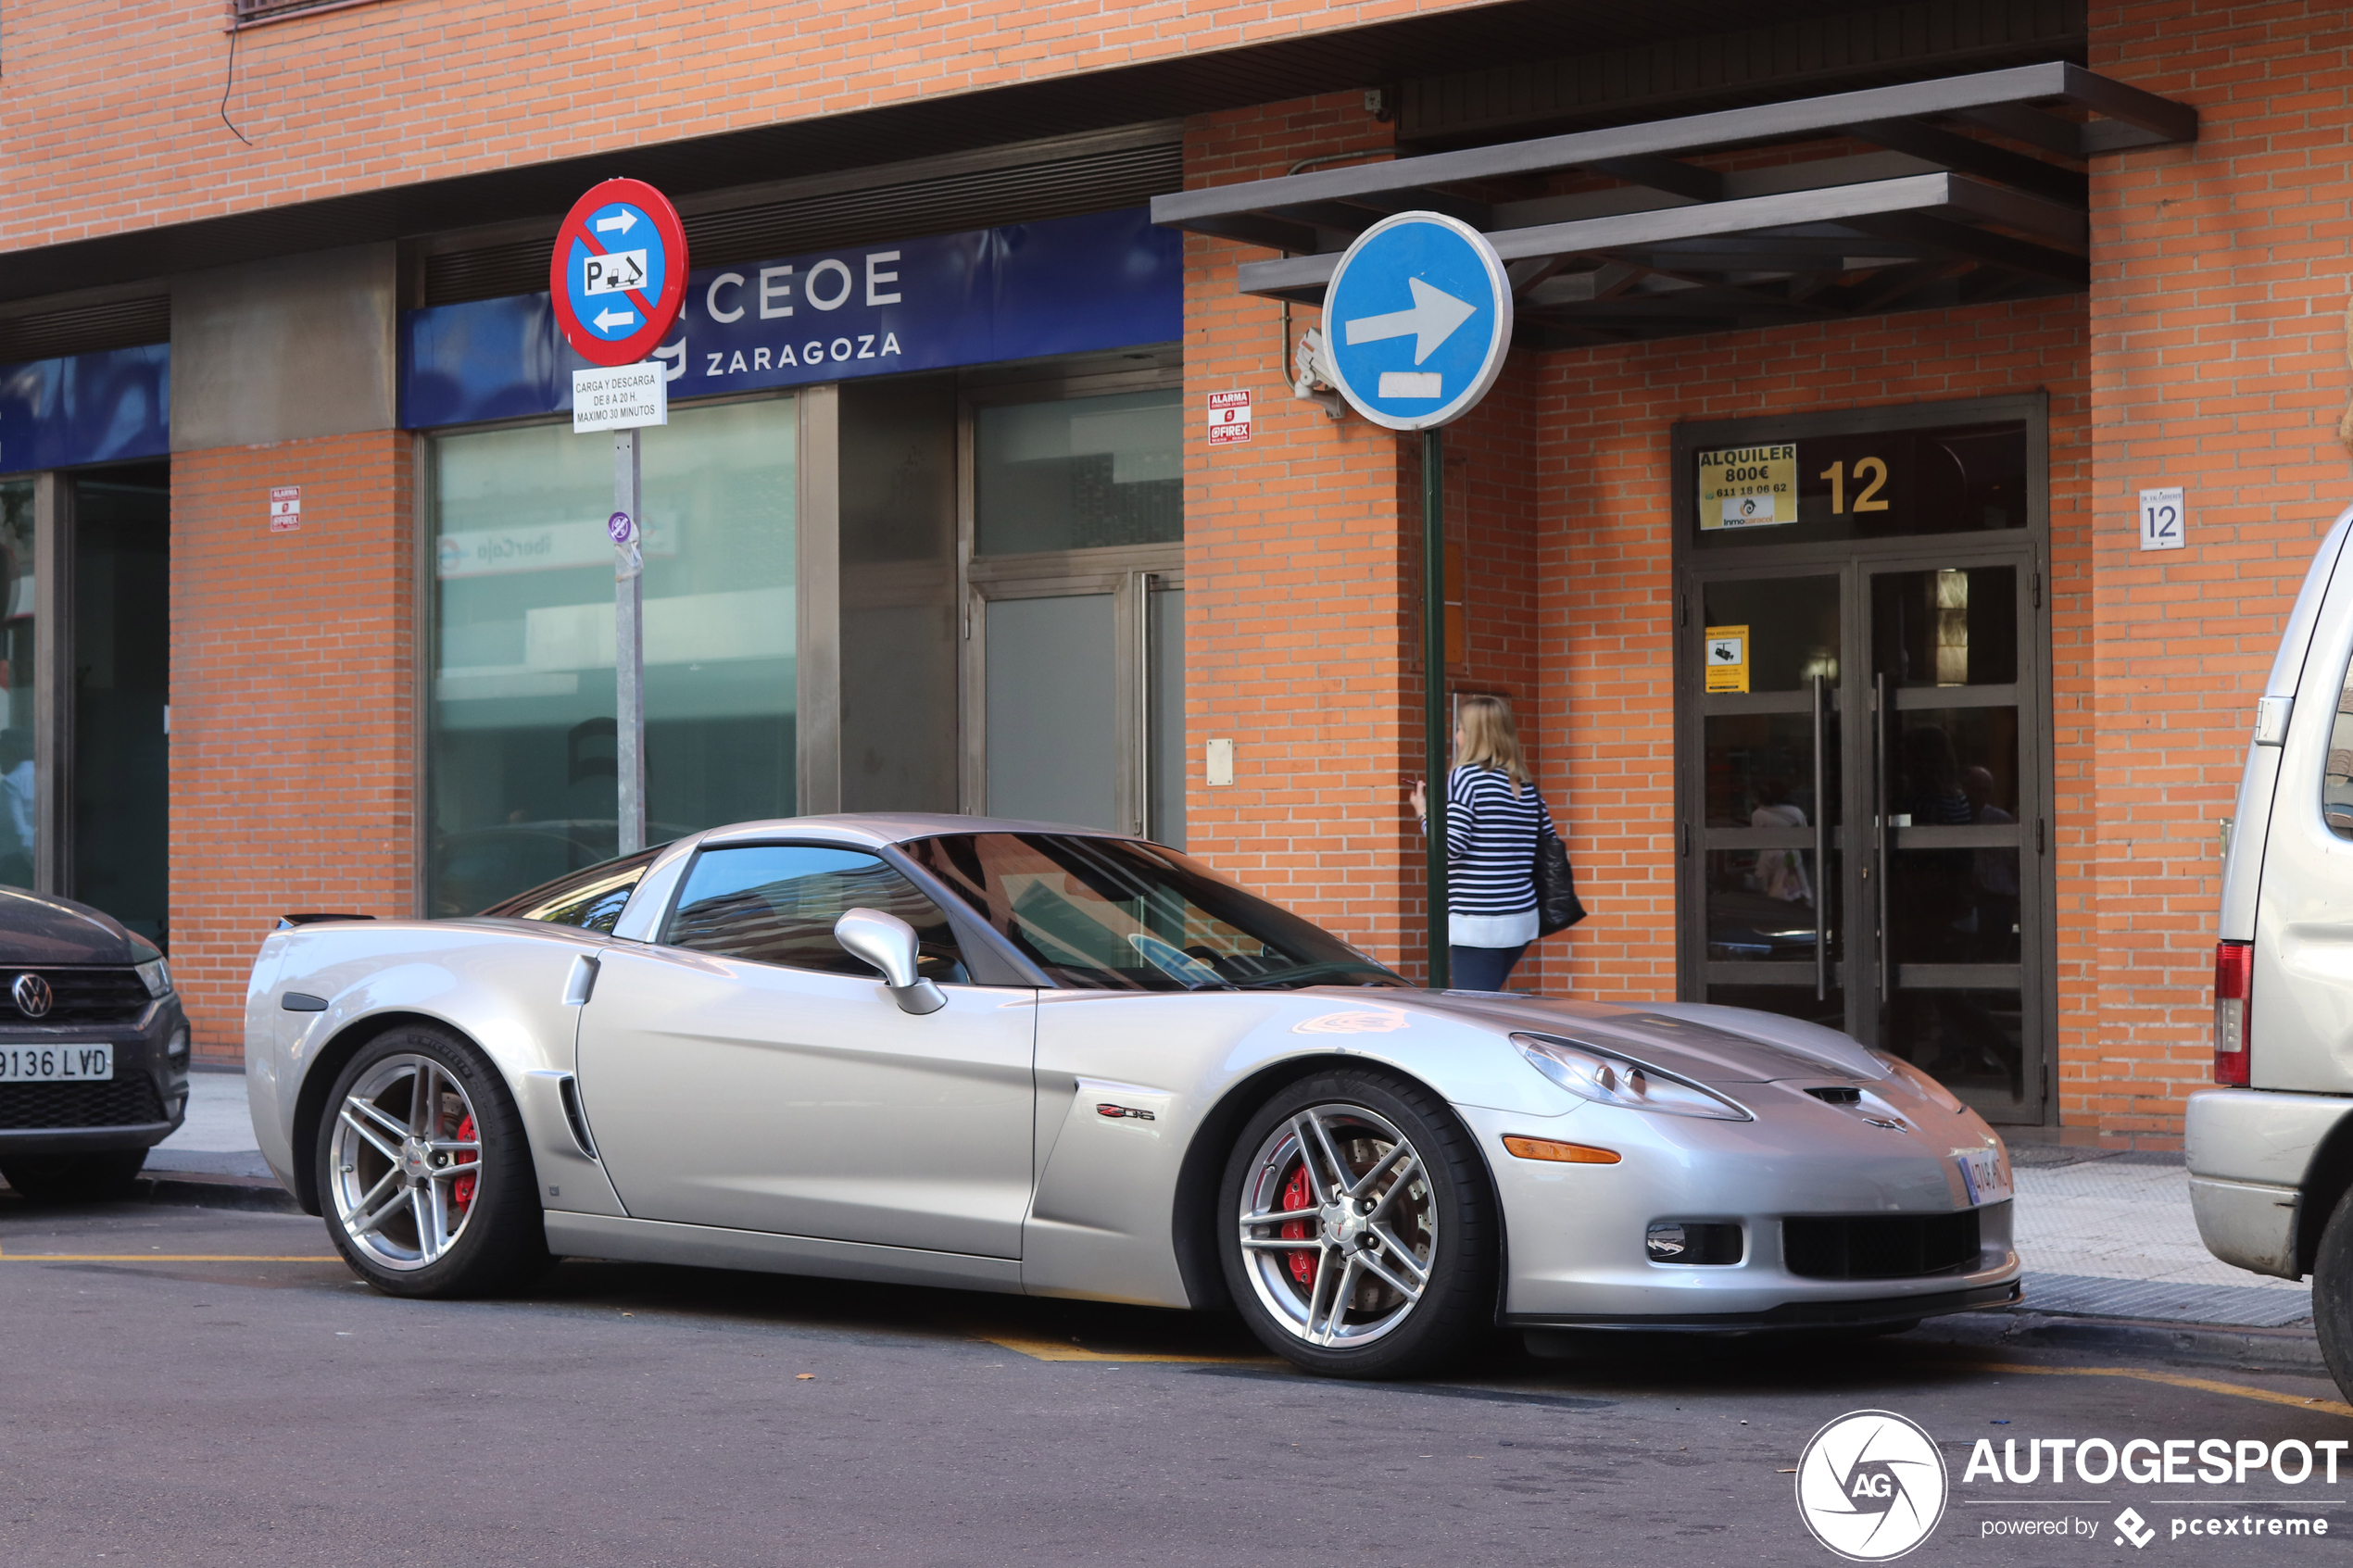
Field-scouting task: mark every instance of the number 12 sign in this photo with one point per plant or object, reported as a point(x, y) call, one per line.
point(2164, 525)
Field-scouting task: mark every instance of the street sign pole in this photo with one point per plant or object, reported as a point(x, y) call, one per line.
point(628, 646)
point(616, 280)
point(1418, 319)
point(1435, 738)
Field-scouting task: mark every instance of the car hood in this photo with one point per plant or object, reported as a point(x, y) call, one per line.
point(1712, 1045)
point(36, 929)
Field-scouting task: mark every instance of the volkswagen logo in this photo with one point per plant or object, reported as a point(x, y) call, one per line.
point(1870, 1486)
point(32, 993)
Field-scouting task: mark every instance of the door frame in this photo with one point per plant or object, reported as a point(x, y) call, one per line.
point(1126, 571)
point(1853, 561)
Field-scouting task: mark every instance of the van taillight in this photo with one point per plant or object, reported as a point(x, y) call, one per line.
point(2234, 982)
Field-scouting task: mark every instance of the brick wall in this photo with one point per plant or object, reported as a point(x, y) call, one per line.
point(2220, 277)
point(114, 113)
point(292, 661)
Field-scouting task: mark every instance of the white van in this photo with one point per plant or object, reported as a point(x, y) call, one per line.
point(2270, 1152)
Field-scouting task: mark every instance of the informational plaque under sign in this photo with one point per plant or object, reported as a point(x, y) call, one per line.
point(1747, 486)
point(619, 397)
point(1727, 659)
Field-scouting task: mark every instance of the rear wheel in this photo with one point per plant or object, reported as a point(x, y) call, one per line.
point(75, 1178)
point(1358, 1229)
point(2333, 1294)
point(424, 1176)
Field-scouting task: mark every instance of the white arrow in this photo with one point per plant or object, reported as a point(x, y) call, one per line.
point(608, 319)
point(1431, 322)
point(620, 221)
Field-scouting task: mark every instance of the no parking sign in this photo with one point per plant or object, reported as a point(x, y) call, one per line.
point(618, 273)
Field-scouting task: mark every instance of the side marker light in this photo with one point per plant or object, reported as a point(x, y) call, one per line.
point(1561, 1153)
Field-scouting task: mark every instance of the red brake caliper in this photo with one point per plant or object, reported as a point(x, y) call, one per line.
point(461, 1191)
point(1297, 1194)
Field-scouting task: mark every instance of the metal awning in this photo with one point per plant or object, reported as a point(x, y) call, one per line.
point(1975, 191)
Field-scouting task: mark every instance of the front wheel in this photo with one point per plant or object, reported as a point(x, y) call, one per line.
point(1358, 1228)
point(424, 1176)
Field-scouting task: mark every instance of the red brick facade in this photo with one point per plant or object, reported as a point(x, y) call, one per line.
point(2210, 354)
point(293, 719)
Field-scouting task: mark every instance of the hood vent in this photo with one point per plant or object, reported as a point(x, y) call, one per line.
point(1837, 1094)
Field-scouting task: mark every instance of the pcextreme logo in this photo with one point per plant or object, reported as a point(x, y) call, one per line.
point(1870, 1486)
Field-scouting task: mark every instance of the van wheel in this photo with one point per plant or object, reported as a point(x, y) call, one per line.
point(425, 1178)
point(1358, 1230)
point(2333, 1294)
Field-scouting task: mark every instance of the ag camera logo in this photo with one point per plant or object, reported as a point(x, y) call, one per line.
point(1871, 1485)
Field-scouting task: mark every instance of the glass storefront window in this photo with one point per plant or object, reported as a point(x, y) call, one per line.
point(1079, 473)
point(520, 758)
point(18, 838)
point(121, 680)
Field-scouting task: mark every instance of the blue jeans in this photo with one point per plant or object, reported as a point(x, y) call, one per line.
point(1481, 968)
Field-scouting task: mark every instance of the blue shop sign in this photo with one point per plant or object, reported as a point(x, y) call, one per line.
point(86, 408)
point(1068, 285)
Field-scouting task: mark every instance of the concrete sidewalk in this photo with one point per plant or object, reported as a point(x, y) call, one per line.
point(217, 1139)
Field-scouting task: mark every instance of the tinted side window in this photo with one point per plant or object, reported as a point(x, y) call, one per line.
point(776, 903)
point(591, 899)
point(2337, 774)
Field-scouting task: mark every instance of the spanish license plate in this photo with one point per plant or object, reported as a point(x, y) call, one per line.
point(1985, 1172)
point(55, 1064)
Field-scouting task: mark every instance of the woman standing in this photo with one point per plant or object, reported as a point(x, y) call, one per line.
point(1495, 820)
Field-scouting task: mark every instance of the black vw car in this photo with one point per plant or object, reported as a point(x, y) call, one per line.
point(94, 1050)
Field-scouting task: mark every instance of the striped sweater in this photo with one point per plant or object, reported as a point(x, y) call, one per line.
point(1490, 848)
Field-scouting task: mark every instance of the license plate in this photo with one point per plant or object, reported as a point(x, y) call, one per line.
point(1985, 1174)
point(55, 1064)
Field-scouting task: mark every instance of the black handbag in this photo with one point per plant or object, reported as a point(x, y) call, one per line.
point(1558, 907)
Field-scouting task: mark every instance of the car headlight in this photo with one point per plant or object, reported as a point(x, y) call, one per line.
point(156, 975)
point(1922, 1084)
point(1608, 1079)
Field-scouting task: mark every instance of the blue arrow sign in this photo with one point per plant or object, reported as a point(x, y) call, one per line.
point(615, 272)
point(1417, 320)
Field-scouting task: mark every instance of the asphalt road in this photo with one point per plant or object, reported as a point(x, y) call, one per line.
point(184, 1386)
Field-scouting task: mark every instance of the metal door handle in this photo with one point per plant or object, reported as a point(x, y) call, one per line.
point(1881, 832)
point(1821, 858)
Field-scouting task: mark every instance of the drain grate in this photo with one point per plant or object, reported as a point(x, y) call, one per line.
point(2241, 1306)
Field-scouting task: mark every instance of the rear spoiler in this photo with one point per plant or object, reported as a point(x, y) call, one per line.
point(287, 923)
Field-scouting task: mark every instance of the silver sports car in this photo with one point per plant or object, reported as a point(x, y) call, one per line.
point(954, 1051)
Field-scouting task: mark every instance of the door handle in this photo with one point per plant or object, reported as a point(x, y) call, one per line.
point(1882, 835)
point(1821, 858)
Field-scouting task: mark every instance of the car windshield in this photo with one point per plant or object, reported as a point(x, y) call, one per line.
point(1117, 915)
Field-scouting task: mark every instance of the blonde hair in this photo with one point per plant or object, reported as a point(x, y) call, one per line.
point(1489, 739)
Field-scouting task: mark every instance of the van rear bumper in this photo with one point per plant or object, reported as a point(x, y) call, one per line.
point(2249, 1151)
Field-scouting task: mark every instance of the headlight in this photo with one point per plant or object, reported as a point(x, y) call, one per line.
point(1922, 1084)
point(1605, 1079)
point(158, 977)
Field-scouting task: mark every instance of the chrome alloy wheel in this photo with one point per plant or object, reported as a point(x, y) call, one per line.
point(1339, 1226)
point(407, 1160)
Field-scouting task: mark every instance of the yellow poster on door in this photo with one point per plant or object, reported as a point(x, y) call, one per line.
point(1727, 659)
point(1748, 486)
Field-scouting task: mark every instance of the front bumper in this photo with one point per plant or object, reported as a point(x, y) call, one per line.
point(1574, 1234)
point(141, 1052)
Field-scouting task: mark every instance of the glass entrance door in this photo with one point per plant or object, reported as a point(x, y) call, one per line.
point(1867, 784)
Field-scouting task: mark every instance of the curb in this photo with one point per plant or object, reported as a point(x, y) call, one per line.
point(196, 1189)
point(2266, 1349)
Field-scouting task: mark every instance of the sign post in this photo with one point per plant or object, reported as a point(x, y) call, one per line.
point(617, 279)
point(1416, 322)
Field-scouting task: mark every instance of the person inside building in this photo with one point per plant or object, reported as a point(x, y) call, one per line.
point(1495, 820)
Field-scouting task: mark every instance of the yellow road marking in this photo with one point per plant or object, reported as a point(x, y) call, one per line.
point(1056, 1350)
point(169, 1258)
point(2179, 1380)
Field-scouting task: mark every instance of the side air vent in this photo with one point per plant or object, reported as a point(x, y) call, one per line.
point(1837, 1094)
point(569, 1088)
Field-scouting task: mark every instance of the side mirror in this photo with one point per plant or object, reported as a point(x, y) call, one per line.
point(888, 943)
